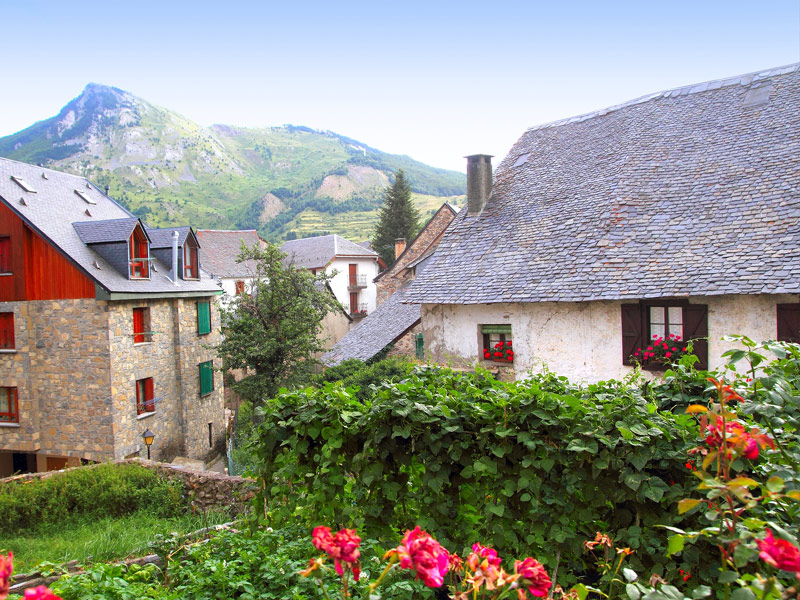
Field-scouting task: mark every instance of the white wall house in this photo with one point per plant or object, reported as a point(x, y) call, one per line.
point(355, 268)
point(219, 250)
point(677, 213)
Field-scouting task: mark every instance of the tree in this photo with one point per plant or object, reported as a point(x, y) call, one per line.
point(273, 330)
point(398, 218)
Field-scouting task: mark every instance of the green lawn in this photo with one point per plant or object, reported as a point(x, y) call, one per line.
point(107, 539)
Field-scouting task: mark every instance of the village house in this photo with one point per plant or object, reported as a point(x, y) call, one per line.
point(219, 253)
point(355, 269)
point(395, 322)
point(673, 214)
point(106, 329)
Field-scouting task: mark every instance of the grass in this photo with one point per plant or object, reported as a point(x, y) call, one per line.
point(98, 540)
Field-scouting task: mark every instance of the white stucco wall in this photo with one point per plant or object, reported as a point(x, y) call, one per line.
point(581, 340)
point(228, 285)
point(366, 266)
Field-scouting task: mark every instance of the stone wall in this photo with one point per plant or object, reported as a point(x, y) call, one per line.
point(61, 370)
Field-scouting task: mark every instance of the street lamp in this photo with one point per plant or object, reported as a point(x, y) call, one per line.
point(148, 436)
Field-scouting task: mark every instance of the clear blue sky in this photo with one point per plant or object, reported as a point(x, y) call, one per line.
point(435, 80)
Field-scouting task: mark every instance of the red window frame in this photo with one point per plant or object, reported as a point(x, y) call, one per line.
point(7, 331)
point(141, 325)
point(239, 284)
point(189, 260)
point(140, 255)
point(145, 403)
point(5, 254)
point(9, 398)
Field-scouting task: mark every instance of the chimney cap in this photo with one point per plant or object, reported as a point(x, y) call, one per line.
point(475, 156)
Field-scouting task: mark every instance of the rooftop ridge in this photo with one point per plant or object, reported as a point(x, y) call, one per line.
point(713, 84)
point(228, 230)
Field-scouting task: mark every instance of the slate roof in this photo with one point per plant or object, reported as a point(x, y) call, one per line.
point(220, 248)
point(111, 230)
point(162, 237)
point(693, 191)
point(57, 212)
point(317, 252)
point(390, 321)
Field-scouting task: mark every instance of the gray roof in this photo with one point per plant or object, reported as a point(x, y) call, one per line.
point(162, 237)
point(694, 191)
point(111, 230)
point(57, 212)
point(317, 252)
point(389, 322)
point(219, 250)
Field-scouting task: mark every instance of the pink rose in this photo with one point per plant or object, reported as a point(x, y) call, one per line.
point(419, 551)
point(534, 576)
point(779, 553)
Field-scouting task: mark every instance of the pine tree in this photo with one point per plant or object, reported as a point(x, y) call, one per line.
point(398, 218)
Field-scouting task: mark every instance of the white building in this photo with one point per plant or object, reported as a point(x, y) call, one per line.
point(355, 269)
point(219, 250)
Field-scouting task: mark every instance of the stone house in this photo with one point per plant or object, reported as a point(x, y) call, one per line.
point(355, 266)
point(677, 213)
point(106, 329)
point(395, 322)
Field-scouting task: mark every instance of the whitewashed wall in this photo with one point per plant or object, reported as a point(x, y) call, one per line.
point(366, 266)
point(581, 340)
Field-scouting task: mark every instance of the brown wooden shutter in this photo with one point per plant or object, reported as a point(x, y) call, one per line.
point(631, 331)
point(789, 323)
point(695, 328)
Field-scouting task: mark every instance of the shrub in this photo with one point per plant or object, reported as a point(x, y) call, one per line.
point(104, 490)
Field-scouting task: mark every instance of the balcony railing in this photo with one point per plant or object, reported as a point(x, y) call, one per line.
point(356, 282)
point(360, 311)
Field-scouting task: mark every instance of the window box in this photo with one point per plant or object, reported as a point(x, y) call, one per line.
point(7, 341)
point(203, 317)
point(9, 405)
point(206, 377)
point(145, 402)
point(497, 343)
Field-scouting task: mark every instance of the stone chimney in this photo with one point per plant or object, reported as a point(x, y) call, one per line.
point(399, 247)
point(479, 182)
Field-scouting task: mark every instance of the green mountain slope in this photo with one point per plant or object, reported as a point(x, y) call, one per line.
point(282, 181)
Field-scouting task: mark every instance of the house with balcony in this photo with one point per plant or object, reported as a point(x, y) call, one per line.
point(354, 269)
point(673, 216)
point(106, 329)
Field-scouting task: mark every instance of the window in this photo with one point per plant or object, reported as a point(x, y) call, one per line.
point(353, 303)
point(145, 403)
point(789, 322)
point(7, 331)
point(496, 343)
point(5, 254)
point(662, 318)
point(203, 317)
point(206, 377)
point(9, 405)
point(140, 255)
point(239, 287)
point(189, 260)
point(142, 332)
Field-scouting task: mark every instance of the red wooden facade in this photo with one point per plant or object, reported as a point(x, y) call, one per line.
point(39, 270)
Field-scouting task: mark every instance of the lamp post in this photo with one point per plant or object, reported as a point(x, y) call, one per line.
point(148, 437)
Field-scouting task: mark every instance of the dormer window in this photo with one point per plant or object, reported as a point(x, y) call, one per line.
point(139, 255)
point(190, 267)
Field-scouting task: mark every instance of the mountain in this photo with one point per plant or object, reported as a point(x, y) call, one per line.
point(284, 181)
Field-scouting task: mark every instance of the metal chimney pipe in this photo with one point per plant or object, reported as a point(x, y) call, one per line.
point(175, 257)
point(479, 182)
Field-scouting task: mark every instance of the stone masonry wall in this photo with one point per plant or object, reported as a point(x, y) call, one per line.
point(61, 370)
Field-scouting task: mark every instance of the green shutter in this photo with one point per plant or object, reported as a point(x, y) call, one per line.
point(206, 378)
point(203, 317)
point(496, 329)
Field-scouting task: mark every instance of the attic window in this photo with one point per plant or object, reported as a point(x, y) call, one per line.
point(85, 197)
point(521, 160)
point(21, 183)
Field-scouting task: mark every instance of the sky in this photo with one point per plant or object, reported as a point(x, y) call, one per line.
point(435, 80)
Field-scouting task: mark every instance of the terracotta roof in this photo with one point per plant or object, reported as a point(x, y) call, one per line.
point(317, 252)
point(219, 250)
point(693, 191)
point(60, 205)
point(390, 321)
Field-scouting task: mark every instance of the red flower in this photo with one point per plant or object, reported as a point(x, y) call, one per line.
point(534, 576)
point(490, 554)
point(674, 349)
point(508, 343)
point(668, 354)
point(683, 349)
point(685, 575)
point(40, 593)
point(419, 551)
point(780, 554)
point(498, 354)
point(342, 548)
point(655, 337)
point(6, 568)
